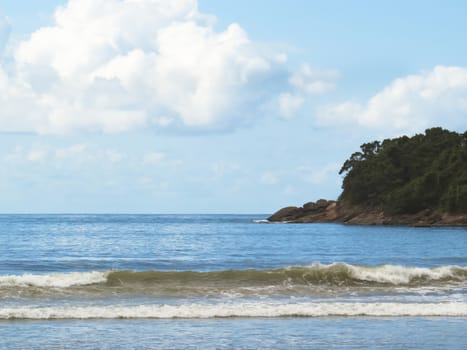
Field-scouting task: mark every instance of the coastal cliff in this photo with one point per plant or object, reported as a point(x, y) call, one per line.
point(415, 181)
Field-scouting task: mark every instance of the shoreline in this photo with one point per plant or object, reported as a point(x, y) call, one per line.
point(330, 211)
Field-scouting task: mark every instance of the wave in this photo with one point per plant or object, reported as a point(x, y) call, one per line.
point(262, 221)
point(290, 280)
point(57, 280)
point(263, 310)
point(316, 274)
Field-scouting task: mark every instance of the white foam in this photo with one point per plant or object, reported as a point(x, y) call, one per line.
point(57, 280)
point(262, 221)
point(268, 310)
point(402, 275)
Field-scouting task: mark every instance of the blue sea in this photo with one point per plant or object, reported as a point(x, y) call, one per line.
point(228, 282)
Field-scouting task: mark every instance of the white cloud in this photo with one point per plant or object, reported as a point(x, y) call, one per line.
point(412, 103)
point(305, 83)
point(314, 81)
point(115, 65)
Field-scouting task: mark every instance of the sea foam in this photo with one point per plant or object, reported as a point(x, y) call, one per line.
point(400, 275)
point(263, 310)
point(57, 280)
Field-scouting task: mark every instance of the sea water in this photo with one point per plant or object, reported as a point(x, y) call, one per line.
point(228, 282)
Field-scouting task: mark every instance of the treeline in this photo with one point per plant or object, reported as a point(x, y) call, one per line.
point(409, 174)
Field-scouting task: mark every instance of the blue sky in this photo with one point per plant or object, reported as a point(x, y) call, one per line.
point(208, 106)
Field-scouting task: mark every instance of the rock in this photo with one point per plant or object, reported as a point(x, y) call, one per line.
point(310, 212)
point(325, 211)
point(319, 205)
point(286, 214)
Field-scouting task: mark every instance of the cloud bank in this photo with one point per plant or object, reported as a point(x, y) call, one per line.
point(408, 104)
point(116, 65)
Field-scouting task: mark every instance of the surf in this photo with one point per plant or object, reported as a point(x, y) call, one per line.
point(299, 280)
point(250, 310)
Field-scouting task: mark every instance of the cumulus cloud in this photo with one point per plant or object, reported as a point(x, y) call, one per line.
point(115, 65)
point(412, 103)
point(314, 81)
point(305, 82)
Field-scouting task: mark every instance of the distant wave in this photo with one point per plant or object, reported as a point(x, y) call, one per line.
point(290, 280)
point(204, 311)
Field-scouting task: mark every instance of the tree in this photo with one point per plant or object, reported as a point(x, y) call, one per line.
point(409, 174)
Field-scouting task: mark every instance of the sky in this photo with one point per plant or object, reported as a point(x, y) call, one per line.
point(208, 106)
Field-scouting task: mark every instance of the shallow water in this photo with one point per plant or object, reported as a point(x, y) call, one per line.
point(282, 333)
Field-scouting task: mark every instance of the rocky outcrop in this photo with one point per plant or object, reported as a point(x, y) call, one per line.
point(325, 211)
point(320, 211)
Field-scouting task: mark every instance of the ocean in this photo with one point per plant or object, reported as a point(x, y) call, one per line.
point(228, 282)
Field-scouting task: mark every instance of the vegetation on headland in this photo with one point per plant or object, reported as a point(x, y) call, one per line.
point(416, 181)
point(408, 174)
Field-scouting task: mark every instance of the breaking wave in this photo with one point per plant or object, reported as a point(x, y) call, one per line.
point(57, 280)
point(285, 280)
point(338, 274)
point(203, 311)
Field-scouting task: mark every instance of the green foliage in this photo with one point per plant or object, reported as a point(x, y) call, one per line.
point(409, 174)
